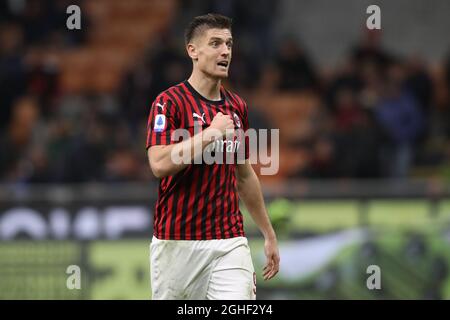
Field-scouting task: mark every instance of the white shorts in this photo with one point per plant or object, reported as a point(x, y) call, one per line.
point(220, 269)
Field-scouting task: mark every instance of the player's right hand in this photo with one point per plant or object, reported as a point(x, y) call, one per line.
point(223, 123)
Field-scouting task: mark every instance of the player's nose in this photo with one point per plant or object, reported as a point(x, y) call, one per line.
point(225, 50)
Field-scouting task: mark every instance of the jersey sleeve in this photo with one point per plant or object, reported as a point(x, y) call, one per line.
point(163, 120)
point(246, 126)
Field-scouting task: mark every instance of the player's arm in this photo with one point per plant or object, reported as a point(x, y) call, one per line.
point(161, 158)
point(250, 192)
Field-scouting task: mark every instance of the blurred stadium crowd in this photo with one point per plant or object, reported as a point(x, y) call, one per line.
point(374, 115)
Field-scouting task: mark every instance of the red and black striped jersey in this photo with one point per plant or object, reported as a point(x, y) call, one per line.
point(200, 202)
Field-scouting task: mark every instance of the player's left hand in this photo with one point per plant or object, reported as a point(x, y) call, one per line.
point(273, 259)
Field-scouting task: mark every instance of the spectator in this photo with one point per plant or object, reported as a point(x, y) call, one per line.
point(17, 138)
point(355, 137)
point(400, 118)
point(370, 50)
point(297, 72)
point(12, 68)
point(419, 83)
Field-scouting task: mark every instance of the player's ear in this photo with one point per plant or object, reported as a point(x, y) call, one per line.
point(192, 51)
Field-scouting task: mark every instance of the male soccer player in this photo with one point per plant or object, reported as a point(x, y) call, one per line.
point(199, 249)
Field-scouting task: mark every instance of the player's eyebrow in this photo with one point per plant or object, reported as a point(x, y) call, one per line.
point(220, 39)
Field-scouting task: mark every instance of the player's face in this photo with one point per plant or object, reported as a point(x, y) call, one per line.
point(214, 52)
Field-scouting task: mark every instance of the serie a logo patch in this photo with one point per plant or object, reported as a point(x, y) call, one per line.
point(160, 123)
point(237, 121)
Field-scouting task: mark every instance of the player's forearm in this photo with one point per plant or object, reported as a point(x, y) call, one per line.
point(169, 160)
point(176, 157)
point(250, 192)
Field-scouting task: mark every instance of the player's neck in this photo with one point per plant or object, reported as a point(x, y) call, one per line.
point(208, 87)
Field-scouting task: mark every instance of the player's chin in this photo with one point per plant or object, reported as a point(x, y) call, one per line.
point(222, 74)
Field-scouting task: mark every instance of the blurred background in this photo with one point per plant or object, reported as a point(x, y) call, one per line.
point(364, 119)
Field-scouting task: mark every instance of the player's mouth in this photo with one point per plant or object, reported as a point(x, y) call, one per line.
point(223, 64)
